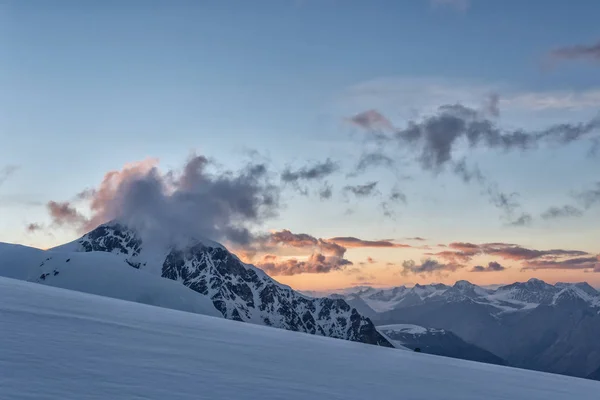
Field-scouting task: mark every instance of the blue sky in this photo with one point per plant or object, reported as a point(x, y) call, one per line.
point(87, 88)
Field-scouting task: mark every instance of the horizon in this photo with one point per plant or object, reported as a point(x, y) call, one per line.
point(379, 144)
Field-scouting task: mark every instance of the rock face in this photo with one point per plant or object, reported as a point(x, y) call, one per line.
point(238, 291)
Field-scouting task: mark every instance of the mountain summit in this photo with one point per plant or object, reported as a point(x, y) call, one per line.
point(239, 291)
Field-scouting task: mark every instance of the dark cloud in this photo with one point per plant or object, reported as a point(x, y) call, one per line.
point(428, 266)
point(587, 263)
point(85, 194)
point(562, 212)
point(193, 203)
point(33, 227)
point(582, 52)
point(326, 191)
point(6, 172)
point(365, 190)
point(522, 220)
point(316, 171)
point(589, 197)
point(373, 160)
point(508, 204)
point(467, 174)
point(317, 263)
point(434, 140)
point(371, 120)
point(436, 136)
point(397, 196)
point(353, 242)
point(492, 266)
point(417, 238)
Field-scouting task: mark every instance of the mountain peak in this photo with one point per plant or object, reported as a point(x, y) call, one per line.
point(463, 284)
point(237, 290)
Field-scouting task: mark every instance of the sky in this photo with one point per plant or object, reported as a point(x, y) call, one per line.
point(331, 143)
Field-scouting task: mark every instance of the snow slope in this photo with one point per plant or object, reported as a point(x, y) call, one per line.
point(104, 274)
point(60, 344)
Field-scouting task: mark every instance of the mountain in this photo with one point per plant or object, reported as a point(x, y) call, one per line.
point(530, 324)
point(62, 344)
point(103, 274)
point(237, 290)
point(437, 341)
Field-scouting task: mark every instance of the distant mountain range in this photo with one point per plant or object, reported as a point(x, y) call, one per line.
point(436, 341)
point(202, 276)
point(531, 324)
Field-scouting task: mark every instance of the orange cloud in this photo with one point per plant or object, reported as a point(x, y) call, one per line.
point(316, 263)
point(352, 242)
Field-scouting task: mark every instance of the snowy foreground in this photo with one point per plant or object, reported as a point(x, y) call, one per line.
point(61, 344)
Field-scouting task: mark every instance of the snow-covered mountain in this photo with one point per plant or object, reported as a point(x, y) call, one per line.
point(237, 290)
point(528, 324)
point(103, 274)
point(61, 344)
point(507, 298)
point(436, 341)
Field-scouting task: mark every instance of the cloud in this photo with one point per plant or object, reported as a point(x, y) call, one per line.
point(583, 52)
point(589, 197)
point(326, 191)
point(192, 203)
point(323, 255)
point(373, 160)
point(64, 213)
point(397, 196)
point(316, 263)
point(587, 263)
point(562, 212)
point(492, 105)
point(316, 171)
point(467, 174)
point(6, 172)
point(417, 238)
point(33, 227)
point(554, 100)
point(492, 266)
point(428, 266)
point(509, 205)
point(461, 5)
point(362, 190)
point(435, 137)
point(461, 252)
point(522, 220)
point(454, 257)
point(371, 120)
point(353, 242)
point(288, 238)
point(410, 96)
